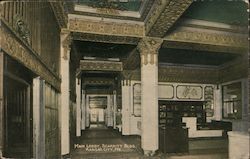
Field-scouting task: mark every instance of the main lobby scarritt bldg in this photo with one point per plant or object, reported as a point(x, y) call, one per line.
point(139, 68)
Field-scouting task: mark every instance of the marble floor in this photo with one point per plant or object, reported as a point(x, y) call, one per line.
point(106, 143)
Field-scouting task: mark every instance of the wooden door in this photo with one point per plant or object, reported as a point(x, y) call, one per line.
point(17, 117)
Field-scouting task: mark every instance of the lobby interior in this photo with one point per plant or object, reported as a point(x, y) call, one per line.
point(124, 79)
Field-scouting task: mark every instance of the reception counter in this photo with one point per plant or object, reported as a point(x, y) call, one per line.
point(191, 123)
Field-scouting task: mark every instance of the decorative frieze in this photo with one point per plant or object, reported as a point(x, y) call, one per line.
point(182, 74)
point(14, 46)
point(98, 81)
point(215, 39)
point(188, 74)
point(148, 48)
point(106, 28)
point(89, 65)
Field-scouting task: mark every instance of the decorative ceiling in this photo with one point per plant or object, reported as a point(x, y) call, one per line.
point(222, 11)
point(124, 5)
point(136, 10)
point(193, 57)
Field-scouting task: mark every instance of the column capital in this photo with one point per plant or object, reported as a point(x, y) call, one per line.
point(66, 40)
point(126, 77)
point(148, 48)
point(148, 45)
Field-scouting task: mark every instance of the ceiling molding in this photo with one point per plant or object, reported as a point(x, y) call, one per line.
point(164, 16)
point(202, 47)
point(59, 12)
point(105, 38)
point(208, 38)
point(213, 26)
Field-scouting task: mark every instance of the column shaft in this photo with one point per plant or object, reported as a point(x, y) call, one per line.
point(149, 103)
point(38, 118)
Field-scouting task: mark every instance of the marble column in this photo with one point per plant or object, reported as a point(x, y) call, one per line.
point(78, 106)
point(126, 107)
point(38, 118)
point(148, 48)
point(83, 110)
point(65, 91)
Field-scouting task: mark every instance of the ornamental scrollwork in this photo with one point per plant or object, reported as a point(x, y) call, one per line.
point(21, 28)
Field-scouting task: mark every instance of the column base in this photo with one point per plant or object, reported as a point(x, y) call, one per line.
point(66, 156)
point(149, 153)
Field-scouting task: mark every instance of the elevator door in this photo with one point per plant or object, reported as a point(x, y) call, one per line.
point(17, 118)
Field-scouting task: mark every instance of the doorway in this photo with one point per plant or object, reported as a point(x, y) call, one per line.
point(97, 117)
point(18, 117)
point(18, 112)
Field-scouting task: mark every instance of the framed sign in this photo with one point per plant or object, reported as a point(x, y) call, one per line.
point(189, 92)
point(209, 99)
point(137, 99)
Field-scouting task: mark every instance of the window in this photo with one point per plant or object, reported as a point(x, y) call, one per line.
point(232, 101)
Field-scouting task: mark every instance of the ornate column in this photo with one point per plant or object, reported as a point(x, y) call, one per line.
point(65, 91)
point(126, 113)
point(148, 48)
point(78, 106)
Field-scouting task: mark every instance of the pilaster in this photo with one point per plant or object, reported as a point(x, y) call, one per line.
point(65, 91)
point(148, 48)
point(38, 118)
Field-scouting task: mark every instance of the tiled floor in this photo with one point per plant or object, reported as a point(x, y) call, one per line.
point(104, 143)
